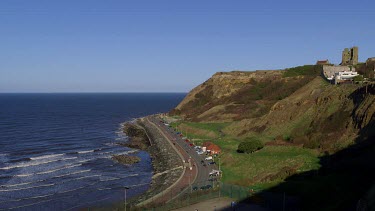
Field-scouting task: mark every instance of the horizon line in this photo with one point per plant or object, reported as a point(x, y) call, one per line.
point(93, 92)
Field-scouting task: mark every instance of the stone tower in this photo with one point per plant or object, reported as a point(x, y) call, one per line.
point(350, 56)
point(354, 53)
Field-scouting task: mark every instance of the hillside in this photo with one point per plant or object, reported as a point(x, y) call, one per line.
point(319, 137)
point(294, 105)
point(236, 95)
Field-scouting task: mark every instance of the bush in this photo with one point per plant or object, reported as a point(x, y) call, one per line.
point(358, 78)
point(249, 146)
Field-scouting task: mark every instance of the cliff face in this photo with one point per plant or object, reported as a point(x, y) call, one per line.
point(295, 105)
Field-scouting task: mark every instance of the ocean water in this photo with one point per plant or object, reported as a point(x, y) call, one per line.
point(55, 149)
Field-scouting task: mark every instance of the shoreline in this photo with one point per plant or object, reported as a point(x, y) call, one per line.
point(166, 164)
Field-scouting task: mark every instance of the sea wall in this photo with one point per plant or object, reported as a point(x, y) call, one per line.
point(167, 165)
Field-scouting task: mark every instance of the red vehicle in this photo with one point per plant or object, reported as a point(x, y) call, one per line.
point(191, 145)
point(187, 140)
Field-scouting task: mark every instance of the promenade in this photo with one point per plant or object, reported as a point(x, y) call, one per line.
point(189, 172)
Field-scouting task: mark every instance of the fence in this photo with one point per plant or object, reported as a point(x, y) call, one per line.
point(198, 192)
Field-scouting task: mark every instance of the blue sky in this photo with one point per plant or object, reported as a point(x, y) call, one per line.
point(169, 46)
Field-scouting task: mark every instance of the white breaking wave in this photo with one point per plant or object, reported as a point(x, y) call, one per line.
point(3, 157)
point(107, 152)
point(27, 205)
point(46, 156)
point(110, 144)
point(79, 178)
point(115, 178)
point(32, 197)
point(109, 179)
point(78, 188)
point(117, 153)
point(77, 172)
point(128, 152)
point(58, 169)
point(46, 185)
point(27, 183)
point(72, 190)
point(84, 152)
point(35, 163)
point(19, 184)
point(46, 172)
point(103, 188)
point(23, 175)
point(37, 197)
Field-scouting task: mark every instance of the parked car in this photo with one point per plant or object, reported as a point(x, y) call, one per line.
point(212, 163)
point(208, 158)
point(213, 175)
point(195, 188)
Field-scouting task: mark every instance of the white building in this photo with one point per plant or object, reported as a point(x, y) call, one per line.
point(346, 75)
point(339, 73)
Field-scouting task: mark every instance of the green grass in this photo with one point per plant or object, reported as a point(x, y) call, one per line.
point(215, 127)
point(299, 126)
point(306, 70)
point(210, 127)
point(248, 169)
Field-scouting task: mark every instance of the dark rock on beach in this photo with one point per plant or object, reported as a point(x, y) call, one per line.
point(126, 159)
point(137, 135)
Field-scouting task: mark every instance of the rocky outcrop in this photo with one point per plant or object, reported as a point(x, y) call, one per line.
point(138, 138)
point(126, 159)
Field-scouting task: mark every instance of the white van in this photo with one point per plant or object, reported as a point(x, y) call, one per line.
point(208, 158)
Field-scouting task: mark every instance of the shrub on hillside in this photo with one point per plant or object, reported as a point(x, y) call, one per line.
point(250, 146)
point(358, 78)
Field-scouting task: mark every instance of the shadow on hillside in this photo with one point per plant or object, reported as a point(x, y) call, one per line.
point(340, 184)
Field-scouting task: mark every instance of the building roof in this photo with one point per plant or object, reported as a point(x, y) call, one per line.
point(211, 146)
point(322, 61)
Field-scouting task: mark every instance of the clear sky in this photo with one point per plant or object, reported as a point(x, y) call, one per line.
point(169, 46)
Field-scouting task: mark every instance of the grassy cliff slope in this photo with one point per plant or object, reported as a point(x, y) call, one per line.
point(319, 137)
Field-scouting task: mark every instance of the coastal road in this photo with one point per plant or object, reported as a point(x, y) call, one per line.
point(187, 176)
point(203, 169)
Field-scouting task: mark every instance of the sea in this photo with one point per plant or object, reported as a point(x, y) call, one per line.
point(56, 149)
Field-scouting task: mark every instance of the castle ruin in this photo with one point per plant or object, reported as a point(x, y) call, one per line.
point(350, 56)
